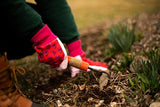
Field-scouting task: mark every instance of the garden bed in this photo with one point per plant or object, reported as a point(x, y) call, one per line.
point(45, 85)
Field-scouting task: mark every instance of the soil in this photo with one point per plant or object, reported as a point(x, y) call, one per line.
point(43, 84)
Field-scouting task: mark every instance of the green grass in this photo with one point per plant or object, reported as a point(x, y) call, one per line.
point(125, 62)
point(148, 73)
point(121, 37)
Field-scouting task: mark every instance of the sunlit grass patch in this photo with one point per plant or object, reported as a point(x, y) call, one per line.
point(92, 12)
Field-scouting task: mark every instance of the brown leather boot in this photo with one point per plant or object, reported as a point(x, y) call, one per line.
point(10, 94)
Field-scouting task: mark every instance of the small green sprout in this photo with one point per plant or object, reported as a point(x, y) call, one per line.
point(125, 62)
point(121, 37)
point(148, 73)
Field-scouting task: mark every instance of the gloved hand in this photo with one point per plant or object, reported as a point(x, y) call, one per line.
point(50, 49)
point(76, 51)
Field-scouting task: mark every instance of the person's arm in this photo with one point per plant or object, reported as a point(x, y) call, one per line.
point(24, 22)
point(20, 18)
point(58, 15)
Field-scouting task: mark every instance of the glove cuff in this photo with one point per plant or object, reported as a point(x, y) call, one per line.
point(75, 49)
point(43, 36)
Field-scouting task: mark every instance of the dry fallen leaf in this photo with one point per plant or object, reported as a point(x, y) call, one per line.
point(100, 103)
point(59, 103)
point(155, 104)
point(113, 104)
point(82, 87)
point(103, 81)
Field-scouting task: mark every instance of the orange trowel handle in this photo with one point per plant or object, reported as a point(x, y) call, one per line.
point(78, 63)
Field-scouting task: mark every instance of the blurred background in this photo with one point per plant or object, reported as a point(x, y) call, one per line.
point(92, 12)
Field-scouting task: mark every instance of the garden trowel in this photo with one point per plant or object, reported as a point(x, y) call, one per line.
point(85, 66)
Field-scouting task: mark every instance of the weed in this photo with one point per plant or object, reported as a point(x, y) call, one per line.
point(125, 62)
point(128, 98)
point(148, 73)
point(139, 36)
point(110, 53)
point(121, 37)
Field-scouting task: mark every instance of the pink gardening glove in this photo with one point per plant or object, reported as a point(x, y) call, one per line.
point(50, 49)
point(76, 51)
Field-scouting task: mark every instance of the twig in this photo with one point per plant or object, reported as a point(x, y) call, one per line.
point(95, 76)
